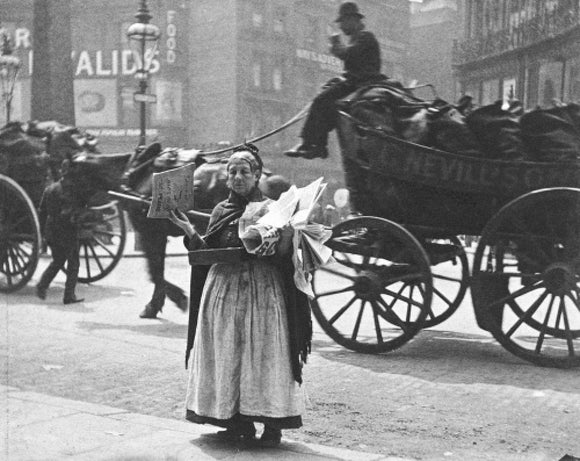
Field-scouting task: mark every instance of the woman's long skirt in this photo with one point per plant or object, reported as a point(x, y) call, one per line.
point(240, 363)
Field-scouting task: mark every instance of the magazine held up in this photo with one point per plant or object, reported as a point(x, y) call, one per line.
point(172, 189)
point(294, 207)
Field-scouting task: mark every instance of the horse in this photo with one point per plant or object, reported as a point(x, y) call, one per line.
point(209, 189)
point(48, 144)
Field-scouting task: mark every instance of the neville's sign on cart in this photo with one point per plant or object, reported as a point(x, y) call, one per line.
point(421, 165)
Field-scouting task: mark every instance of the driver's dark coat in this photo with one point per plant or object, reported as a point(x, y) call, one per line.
point(59, 213)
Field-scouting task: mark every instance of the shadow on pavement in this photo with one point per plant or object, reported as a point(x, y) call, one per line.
point(454, 358)
point(162, 328)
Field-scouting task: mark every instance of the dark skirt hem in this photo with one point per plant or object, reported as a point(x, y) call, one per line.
point(288, 422)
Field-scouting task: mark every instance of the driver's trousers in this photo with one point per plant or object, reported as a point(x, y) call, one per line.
point(322, 116)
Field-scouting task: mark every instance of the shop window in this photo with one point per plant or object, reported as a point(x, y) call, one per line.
point(257, 74)
point(489, 91)
point(257, 19)
point(277, 78)
point(509, 89)
point(550, 82)
point(257, 14)
point(279, 22)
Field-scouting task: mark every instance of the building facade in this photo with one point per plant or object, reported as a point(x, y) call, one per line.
point(524, 49)
point(435, 26)
point(226, 70)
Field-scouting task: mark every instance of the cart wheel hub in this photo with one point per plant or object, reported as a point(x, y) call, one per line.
point(559, 278)
point(367, 286)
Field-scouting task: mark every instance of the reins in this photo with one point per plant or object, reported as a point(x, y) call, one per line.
point(300, 115)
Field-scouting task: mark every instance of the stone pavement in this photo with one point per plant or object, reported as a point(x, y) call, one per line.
point(37, 427)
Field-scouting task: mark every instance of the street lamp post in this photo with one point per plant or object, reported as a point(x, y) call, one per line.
point(9, 67)
point(143, 38)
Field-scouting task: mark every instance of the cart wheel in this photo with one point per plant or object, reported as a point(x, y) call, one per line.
point(451, 280)
point(526, 277)
point(102, 241)
point(19, 236)
point(377, 294)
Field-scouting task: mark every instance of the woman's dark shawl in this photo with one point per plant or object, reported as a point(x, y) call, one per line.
point(297, 304)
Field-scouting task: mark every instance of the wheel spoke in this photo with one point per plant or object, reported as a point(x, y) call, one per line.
point(96, 257)
point(327, 269)
point(569, 337)
point(395, 298)
point(107, 233)
point(7, 272)
point(408, 318)
point(334, 292)
point(102, 245)
point(18, 268)
point(445, 277)
point(430, 312)
point(512, 296)
point(358, 320)
point(392, 317)
point(377, 324)
point(402, 298)
point(19, 255)
point(87, 262)
point(544, 326)
point(342, 310)
point(531, 311)
point(442, 296)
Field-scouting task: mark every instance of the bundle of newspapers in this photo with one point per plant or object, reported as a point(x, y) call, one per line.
point(295, 208)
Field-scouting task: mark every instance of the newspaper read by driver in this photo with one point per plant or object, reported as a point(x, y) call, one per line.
point(172, 189)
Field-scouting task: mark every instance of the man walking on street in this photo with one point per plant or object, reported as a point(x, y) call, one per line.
point(362, 64)
point(60, 210)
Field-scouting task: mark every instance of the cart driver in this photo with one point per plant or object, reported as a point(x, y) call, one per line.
point(362, 65)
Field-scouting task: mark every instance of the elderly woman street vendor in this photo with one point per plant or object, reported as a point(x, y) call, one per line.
point(250, 328)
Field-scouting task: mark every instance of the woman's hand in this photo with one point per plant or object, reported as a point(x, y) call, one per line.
point(285, 242)
point(179, 218)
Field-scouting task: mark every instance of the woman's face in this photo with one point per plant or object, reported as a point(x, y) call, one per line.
point(241, 179)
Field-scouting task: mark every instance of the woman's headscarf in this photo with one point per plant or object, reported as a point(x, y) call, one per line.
point(249, 153)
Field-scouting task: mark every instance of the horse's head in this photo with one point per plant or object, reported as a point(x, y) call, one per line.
point(92, 173)
point(209, 185)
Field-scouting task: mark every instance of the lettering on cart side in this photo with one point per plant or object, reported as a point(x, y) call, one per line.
point(449, 169)
point(510, 177)
point(413, 164)
point(430, 167)
point(488, 176)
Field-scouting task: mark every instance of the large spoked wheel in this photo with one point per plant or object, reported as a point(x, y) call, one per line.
point(377, 294)
point(526, 277)
point(102, 241)
point(450, 281)
point(19, 236)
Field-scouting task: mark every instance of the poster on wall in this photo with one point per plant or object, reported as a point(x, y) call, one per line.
point(20, 105)
point(96, 102)
point(169, 97)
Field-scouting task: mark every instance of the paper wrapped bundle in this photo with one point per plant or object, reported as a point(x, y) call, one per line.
point(294, 208)
point(259, 239)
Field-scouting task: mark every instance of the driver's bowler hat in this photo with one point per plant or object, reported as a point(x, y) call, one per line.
point(348, 9)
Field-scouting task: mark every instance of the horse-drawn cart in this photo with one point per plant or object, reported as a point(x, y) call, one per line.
point(24, 172)
point(400, 267)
